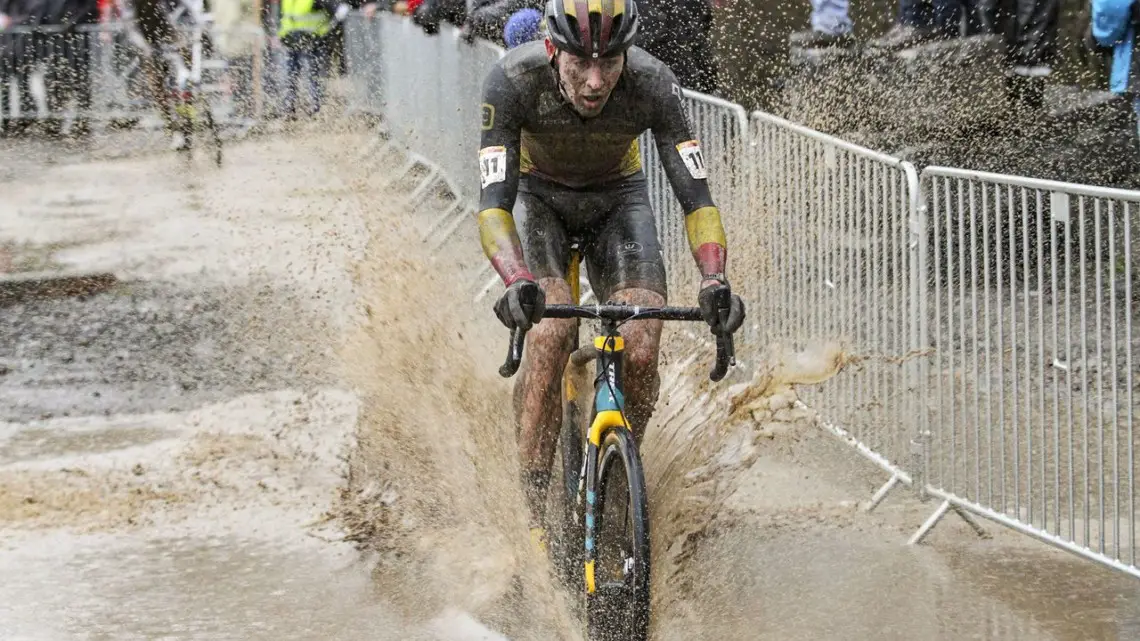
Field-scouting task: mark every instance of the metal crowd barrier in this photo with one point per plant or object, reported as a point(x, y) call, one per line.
point(720, 126)
point(434, 118)
point(982, 324)
point(1031, 397)
point(832, 262)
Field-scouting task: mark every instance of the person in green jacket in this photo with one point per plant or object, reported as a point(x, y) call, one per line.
point(303, 31)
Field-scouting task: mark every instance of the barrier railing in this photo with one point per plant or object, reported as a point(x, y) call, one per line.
point(433, 118)
point(721, 127)
point(833, 261)
point(1032, 395)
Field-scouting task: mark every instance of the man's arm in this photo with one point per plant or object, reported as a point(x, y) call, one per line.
point(684, 164)
point(499, 177)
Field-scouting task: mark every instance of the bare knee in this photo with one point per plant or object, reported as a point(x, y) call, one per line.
point(642, 338)
point(550, 342)
point(641, 353)
point(552, 338)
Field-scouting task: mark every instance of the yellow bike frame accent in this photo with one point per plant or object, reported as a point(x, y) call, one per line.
point(605, 421)
point(591, 585)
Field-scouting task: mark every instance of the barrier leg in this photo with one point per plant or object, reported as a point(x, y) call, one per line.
point(929, 524)
point(944, 507)
point(882, 493)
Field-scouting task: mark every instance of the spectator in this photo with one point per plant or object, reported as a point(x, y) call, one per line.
point(921, 21)
point(679, 33)
point(430, 14)
point(1112, 32)
point(522, 27)
point(69, 61)
point(18, 56)
point(488, 18)
point(1029, 28)
point(830, 26)
point(335, 40)
point(303, 32)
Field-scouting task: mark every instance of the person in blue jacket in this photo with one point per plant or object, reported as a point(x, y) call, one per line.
point(1113, 27)
point(523, 26)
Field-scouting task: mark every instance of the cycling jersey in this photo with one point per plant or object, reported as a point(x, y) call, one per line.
point(529, 129)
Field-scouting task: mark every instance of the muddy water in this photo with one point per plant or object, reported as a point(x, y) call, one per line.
point(188, 501)
point(757, 526)
point(169, 447)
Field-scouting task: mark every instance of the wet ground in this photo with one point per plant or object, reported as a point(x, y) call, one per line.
point(172, 442)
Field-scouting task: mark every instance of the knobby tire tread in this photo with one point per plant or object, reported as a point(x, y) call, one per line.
point(619, 461)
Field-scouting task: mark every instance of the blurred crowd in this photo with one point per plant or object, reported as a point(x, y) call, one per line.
point(66, 58)
point(309, 36)
point(678, 32)
point(1029, 29)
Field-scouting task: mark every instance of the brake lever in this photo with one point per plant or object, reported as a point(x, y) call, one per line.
point(514, 354)
point(725, 349)
point(725, 356)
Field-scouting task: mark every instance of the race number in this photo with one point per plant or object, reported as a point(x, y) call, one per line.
point(492, 165)
point(690, 152)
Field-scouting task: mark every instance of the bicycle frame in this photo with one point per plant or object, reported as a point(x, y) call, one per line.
point(607, 412)
point(607, 408)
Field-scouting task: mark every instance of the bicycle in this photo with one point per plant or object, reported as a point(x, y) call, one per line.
point(617, 608)
point(186, 91)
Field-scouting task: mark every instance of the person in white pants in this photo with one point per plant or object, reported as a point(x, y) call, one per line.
point(830, 26)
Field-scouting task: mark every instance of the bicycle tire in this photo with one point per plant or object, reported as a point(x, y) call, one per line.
point(570, 444)
point(568, 542)
point(215, 136)
point(614, 613)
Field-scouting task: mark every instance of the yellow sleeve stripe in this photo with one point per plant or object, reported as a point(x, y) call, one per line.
point(496, 231)
point(703, 226)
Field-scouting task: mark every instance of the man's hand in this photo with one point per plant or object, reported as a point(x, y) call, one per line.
point(521, 305)
point(721, 309)
point(5, 21)
point(342, 11)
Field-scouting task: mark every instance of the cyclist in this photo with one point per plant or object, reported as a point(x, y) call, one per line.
point(155, 23)
point(560, 122)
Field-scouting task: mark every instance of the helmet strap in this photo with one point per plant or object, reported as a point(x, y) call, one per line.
point(558, 77)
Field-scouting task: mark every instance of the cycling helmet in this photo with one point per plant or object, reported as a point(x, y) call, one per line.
point(592, 28)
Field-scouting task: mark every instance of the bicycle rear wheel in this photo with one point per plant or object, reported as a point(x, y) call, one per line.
point(619, 607)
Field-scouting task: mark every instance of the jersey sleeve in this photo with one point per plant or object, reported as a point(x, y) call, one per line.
point(499, 176)
point(684, 164)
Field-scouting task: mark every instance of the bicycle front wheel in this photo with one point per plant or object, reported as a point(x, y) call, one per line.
point(619, 606)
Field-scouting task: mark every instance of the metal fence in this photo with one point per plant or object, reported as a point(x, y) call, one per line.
point(1031, 396)
point(430, 89)
point(831, 261)
point(721, 127)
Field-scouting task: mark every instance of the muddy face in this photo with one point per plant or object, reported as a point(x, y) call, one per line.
point(588, 82)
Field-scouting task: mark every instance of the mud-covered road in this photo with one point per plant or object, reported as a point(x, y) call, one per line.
point(274, 414)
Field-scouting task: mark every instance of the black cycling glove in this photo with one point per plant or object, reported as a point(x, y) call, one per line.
point(721, 309)
point(521, 305)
